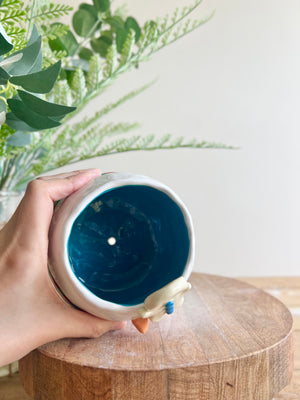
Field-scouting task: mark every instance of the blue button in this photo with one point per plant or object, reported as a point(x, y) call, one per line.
point(170, 307)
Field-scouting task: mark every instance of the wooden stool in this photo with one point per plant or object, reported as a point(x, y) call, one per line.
point(229, 341)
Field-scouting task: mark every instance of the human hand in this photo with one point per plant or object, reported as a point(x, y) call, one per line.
point(31, 312)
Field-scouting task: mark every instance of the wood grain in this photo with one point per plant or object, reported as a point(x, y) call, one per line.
point(229, 341)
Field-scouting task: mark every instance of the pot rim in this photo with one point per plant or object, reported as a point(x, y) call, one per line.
point(60, 229)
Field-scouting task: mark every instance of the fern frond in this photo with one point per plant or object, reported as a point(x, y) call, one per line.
point(175, 15)
point(117, 128)
point(145, 142)
point(62, 93)
point(183, 30)
point(184, 11)
point(95, 74)
point(61, 137)
point(127, 49)
point(50, 11)
point(165, 37)
point(11, 16)
point(111, 147)
point(163, 140)
point(14, 31)
point(149, 35)
point(169, 29)
point(111, 61)
point(51, 56)
point(164, 22)
point(12, 3)
point(138, 143)
point(86, 122)
point(177, 142)
point(91, 139)
point(54, 31)
point(78, 86)
point(17, 35)
point(71, 146)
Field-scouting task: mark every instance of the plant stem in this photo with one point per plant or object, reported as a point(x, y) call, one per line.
point(89, 36)
point(30, 19)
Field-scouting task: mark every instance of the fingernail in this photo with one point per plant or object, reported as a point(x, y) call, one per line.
point(93, 171)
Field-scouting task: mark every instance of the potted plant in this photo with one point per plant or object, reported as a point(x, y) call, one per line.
point(50, 71)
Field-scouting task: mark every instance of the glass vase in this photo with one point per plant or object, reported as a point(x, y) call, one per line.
point(9, 201)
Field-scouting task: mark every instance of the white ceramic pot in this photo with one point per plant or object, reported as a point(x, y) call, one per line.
point(121, 246)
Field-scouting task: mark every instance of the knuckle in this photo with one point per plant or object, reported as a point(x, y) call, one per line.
point(96, 330)
point(35, 186)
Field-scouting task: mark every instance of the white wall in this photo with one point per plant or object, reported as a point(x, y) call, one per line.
point(235, 80)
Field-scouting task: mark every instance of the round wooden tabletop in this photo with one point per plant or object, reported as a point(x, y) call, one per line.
point(229, 340)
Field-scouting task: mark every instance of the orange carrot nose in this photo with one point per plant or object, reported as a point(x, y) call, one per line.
point(141, 324)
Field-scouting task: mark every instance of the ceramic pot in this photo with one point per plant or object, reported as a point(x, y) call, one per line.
point(121, 245)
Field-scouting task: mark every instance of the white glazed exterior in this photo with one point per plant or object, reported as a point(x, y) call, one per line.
point(61, 225)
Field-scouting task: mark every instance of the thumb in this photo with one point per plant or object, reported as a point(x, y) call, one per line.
point(34, 213)
point(57, 187)
point(37, 204)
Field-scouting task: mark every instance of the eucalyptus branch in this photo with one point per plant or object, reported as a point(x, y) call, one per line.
point(89, 35)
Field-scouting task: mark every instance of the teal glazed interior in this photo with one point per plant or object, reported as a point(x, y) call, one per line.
point(129, 242)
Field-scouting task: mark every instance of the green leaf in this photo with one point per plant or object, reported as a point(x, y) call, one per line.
point(15, 123)
point(39, 82)
point(37, 66)
point(93, 11)
point(4, 76)
point(79, 63)
point(120, 39)
point(85, 53)
point(88, 7)
point(29, 56)
point(102, 5)
point(3, 109)
point(83, 22)
point(131, 23)
point(19, 139)
point(34, 35)
point(5, 42)
point(30, 117)
point(108, 33)
point(2, 105)
point(2, 117)
point(43, 107)
point(67, 42)
point(101, 45)
point(115, 22)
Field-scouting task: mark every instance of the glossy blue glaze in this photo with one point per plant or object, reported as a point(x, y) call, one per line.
point(129, 242)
